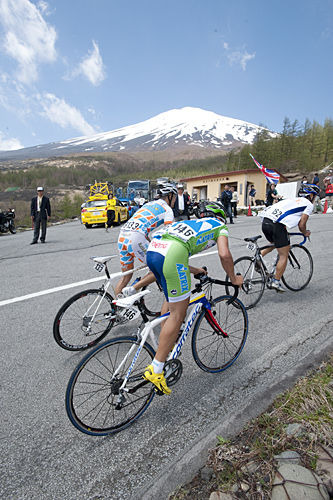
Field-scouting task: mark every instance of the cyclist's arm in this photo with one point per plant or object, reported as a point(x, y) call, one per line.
point(197, 270)
point(302, 225)
point(227, 260)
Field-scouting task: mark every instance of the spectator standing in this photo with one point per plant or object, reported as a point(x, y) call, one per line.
point(316, 203)
point(182, 204)
point(226, 201)
point(252, 195)
point(315, 179)
point(304, 179)
point(272, 195)
point(40, 214)
point(110, 211)
point(234, 201)
point(329, 194)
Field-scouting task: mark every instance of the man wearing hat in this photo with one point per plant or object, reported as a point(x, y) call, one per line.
point(40, 213)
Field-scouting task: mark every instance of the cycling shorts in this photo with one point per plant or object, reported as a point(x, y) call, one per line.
point(276, 233)
point(131, 244)
point(168, 260)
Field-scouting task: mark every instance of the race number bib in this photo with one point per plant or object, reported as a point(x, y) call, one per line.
point(181, 231)
point(251, 246)
point(131, 225)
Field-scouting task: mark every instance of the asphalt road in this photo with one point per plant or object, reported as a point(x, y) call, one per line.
point(44, 456)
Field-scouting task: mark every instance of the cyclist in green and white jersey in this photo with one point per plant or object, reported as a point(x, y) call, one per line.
point(167, 258)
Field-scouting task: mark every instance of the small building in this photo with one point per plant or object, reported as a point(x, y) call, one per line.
point(210, 187)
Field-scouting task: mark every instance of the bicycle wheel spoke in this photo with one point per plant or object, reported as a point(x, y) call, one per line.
point(299, 270)
point(254, 281)
point(213, 351)
point(95, 401)
point(83, 320)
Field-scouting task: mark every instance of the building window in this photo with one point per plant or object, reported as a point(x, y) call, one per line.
point(240, 188)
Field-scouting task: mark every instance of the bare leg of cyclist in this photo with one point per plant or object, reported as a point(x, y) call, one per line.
point(265, 251)
point(168, 337)
point(145, 281)
point(282, 262)
point(124, 280)
point(170, 329)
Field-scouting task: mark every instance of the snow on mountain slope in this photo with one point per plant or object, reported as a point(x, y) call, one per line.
point(177, 127)
point(192, 125)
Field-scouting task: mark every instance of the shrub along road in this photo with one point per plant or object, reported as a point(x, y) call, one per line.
point(43, 456)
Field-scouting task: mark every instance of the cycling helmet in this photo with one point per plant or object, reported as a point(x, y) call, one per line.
point(212, 209)
point(306, 189)
point(165, 189)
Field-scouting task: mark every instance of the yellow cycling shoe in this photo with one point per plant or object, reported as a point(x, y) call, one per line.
point(157, 379)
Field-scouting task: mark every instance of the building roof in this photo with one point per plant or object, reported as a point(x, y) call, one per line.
point(232, 172)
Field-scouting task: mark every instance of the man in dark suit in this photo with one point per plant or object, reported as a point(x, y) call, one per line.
point(226, 197)
point(182, 204)
point(40, 213)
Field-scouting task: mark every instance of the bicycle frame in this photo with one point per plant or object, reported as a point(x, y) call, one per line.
point(258, 257)
point(148, 331)
point(105, 286)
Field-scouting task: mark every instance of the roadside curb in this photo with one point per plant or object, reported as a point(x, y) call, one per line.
point(195, 456)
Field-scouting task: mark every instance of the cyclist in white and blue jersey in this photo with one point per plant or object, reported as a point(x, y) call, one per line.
point(134, 236)
point(282, 215)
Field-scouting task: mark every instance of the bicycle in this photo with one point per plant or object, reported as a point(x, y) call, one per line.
point(257, 273)
point(88, 316)
point(106, 392)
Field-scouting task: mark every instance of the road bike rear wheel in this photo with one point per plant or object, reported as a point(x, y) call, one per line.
point(84, 320)
point(212, 351)
point(93, 402)
point(299, 268)
point(254, 281)
point(153, 301)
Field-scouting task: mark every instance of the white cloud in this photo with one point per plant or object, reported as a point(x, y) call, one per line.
point(91, 67)
point(241, 57)
point(44, 7)
point(9, 144)
point(65, 115)
point(28, 39)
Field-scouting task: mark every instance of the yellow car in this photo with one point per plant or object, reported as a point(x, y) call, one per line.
point(94, 212)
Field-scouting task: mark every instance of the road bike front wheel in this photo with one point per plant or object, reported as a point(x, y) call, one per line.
point(253, 285)
point(84, 320)
point(219, 335)
point(94, 403)
point(299, 268)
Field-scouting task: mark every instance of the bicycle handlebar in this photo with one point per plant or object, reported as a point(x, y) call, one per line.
point(204, 279)
point(300, 234)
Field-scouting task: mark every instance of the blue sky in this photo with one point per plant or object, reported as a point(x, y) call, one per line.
point(78, 67)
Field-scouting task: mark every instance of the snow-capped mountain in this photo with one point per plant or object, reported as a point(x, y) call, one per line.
point(172, 129)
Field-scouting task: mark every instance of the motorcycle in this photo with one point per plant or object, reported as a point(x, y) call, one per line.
point(7, 221)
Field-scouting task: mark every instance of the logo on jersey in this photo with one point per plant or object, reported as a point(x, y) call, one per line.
point(204, 238)
point(181, 270)
point(173, 291)
point(158, 244)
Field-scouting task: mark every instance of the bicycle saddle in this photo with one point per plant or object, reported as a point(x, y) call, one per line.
point(129, 301)
point(254, 238)
point(103, 260)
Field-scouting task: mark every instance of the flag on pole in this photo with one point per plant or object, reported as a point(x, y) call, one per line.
point(271, 175)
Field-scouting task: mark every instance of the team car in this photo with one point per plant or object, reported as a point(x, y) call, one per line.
point(94, 212)
point(132, 207)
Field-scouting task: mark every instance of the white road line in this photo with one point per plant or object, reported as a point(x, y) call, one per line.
point(73, 285)
point(50, 290)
